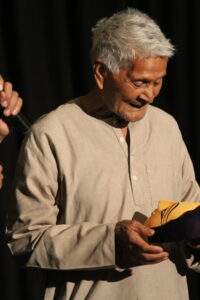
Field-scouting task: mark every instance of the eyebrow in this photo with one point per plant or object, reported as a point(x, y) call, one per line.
point(143, 79)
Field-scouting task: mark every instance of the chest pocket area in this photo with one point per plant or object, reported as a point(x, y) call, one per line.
point(164, 181)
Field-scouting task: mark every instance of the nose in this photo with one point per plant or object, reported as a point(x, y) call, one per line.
point(148, 93)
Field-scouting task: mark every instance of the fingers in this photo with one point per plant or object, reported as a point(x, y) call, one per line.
point(142, 229)
point(132, 237)
point(1, 83)
point(148, 253)
point(141, 238)
point(149, 260)
point(11, 103)
point(138, 256)
point(133, 231)
point(9, 99)
point(151, 253)
point(144, 246)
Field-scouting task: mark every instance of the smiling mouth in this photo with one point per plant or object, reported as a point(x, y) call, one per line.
point(137, 103)
point(134, 105)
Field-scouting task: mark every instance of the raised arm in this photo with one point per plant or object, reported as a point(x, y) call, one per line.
point(11, 103)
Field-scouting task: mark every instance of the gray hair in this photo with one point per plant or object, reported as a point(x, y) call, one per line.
point(128, 34)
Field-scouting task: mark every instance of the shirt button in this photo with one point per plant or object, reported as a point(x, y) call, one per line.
point(134, 177)
point(121, 139)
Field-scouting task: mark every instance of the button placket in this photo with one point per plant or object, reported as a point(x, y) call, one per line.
point(136, 171)
point(121, 140)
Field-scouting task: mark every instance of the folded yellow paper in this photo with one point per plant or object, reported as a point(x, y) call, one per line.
point(167, 211)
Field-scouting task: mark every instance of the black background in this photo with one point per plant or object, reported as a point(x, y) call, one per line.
point(44, 52)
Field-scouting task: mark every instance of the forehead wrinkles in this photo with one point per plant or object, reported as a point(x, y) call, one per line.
point(148, 76)
point(150, 67)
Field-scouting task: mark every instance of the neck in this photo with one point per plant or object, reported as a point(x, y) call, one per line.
point(93, 105)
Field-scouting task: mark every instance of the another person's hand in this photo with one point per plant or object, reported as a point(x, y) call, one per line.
point(132, 247)
point(11, 102)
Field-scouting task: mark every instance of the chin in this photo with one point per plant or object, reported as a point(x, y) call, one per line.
point(137, 118)
point(133, 116)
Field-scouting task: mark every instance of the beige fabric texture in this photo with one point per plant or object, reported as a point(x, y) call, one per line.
point(75, 179)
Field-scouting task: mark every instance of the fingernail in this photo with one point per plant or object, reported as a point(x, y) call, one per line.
point(7, 112)
point(4, 103)
point(14, 112)
point(152, 231)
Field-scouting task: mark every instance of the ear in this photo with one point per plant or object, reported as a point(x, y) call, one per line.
point(100, 72)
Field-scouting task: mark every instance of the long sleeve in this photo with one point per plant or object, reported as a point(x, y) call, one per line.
point(34, 228)
point(75, 180)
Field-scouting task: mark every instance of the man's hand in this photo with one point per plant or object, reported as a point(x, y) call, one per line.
point(132, 246)
point(11, 102)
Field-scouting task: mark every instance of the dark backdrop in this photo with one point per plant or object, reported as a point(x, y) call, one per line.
point(44, 48)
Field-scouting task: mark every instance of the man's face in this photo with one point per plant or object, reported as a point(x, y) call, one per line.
point(128, 93)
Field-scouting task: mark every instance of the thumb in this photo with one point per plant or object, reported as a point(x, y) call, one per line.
point(145, 230)
point(1, 83)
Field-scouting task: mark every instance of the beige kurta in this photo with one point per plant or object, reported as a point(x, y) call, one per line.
point(75, 179)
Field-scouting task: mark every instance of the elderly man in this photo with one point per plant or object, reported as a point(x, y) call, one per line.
point(11, 104)
point(91, 170)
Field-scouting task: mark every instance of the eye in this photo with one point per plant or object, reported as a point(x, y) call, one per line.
point(158, 82)
point(138, 83)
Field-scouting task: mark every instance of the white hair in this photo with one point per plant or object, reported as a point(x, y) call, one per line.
point(128, 34)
